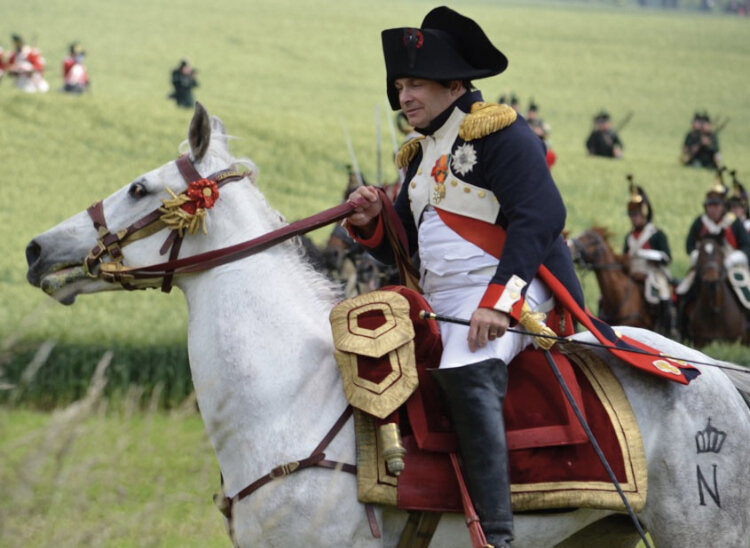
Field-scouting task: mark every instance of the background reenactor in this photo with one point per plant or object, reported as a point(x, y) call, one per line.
point(511, 101)
point(538, 126)
point(701, 146)
point(647, 247)
point(183, 82)
point(541, 128)
point(26, 65)
point(603, 139)
point(718, 223)
point(738, 203)
point(75, 76)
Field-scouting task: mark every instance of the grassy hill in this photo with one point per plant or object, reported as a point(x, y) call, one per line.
point(285, 76)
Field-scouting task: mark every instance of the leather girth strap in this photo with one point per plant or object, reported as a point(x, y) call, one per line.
point(419, 529)
point(316, 458)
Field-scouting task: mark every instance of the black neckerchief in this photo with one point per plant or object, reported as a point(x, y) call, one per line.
point(464, 103)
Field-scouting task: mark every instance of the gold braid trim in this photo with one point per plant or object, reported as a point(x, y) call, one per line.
point(407, 152)
point(534, 322)
point(175, 218)
point(484, 119)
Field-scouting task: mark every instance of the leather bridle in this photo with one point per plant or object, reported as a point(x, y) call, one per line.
point(585, 258)
point(111, 245)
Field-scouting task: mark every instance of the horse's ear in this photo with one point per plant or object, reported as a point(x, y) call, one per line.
point(219, 133)
point(199, 134)
point(217, 126)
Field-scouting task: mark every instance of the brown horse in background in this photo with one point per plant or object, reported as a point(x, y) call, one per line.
point(714, 312)
point(622, 301)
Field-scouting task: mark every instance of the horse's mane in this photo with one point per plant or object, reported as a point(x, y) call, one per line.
point(295, 258)
point(603, 232)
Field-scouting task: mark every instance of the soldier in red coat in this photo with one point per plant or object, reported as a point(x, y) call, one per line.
point(75, 76)
point(26, 65)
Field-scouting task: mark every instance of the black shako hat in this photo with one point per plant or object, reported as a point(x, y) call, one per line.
point(638, 200)
point(448, 46)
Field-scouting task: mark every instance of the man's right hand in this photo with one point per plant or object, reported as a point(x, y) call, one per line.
point(364, 215)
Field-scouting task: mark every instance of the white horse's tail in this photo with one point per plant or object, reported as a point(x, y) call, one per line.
point(741, 380)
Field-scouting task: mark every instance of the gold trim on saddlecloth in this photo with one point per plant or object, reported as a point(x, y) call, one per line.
point(377, 486)
point(596, 494)
point(392, 341)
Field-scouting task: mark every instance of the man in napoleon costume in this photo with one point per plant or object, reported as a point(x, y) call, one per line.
point(479, 207)
point(475, 176)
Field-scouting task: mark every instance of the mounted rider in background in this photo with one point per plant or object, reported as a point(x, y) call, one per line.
point(722, 225)
point(648, 250)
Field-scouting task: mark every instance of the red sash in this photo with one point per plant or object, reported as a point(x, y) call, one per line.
point(491, 238)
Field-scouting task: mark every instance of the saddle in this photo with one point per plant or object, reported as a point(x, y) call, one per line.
point(404, 437)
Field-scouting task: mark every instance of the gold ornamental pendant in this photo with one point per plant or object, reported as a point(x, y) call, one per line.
point(438, 192)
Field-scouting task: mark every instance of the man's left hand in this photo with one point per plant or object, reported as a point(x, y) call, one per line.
point(487, 324)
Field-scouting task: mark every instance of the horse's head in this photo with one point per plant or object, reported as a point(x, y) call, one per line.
point(709, 265)
point(590, 248)
point(144, 222)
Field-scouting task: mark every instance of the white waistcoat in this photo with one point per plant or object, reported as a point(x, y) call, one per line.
point(454, 195)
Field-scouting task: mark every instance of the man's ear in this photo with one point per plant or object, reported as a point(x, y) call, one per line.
point(456, 87)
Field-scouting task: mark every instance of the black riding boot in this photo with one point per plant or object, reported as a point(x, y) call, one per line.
point(475, 395)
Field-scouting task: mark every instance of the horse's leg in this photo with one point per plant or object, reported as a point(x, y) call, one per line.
point(615, 531)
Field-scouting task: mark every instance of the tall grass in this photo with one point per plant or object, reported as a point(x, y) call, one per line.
point(284, 76)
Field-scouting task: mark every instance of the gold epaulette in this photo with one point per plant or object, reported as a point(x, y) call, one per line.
point(407, 152)
point(486, 118)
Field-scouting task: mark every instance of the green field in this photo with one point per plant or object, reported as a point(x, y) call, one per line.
point(284, 76)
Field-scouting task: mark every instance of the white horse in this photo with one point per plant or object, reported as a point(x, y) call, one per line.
point(261, 356)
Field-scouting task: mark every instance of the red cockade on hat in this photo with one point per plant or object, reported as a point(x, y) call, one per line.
point(413, 35)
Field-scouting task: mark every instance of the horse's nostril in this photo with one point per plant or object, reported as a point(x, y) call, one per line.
point(33, 252)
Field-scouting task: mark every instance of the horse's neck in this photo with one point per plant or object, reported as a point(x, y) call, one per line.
point(262, 362)
point(617, 288)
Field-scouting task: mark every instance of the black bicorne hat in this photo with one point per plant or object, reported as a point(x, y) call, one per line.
point(448, 46)
point(638, 200)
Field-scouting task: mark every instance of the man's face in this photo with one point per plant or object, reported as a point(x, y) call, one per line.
point(715, 211)
point(422, 100)
point(637, 219)
point(738, 211)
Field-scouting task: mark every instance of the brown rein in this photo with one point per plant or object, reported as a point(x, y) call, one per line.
point(111, 244)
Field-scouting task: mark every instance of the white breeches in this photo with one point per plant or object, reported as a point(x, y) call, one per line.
point(461, 302)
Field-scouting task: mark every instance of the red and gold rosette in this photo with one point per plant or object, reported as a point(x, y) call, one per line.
point(186, 212)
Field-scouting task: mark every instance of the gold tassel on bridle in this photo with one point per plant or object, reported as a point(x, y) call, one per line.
point(176, 218)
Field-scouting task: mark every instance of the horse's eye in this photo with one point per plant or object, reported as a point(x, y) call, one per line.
point(137, 190)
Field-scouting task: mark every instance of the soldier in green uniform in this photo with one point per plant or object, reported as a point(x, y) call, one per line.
point(603, 140)
point(648, 250)
point(701, 146)
point(183, 82)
